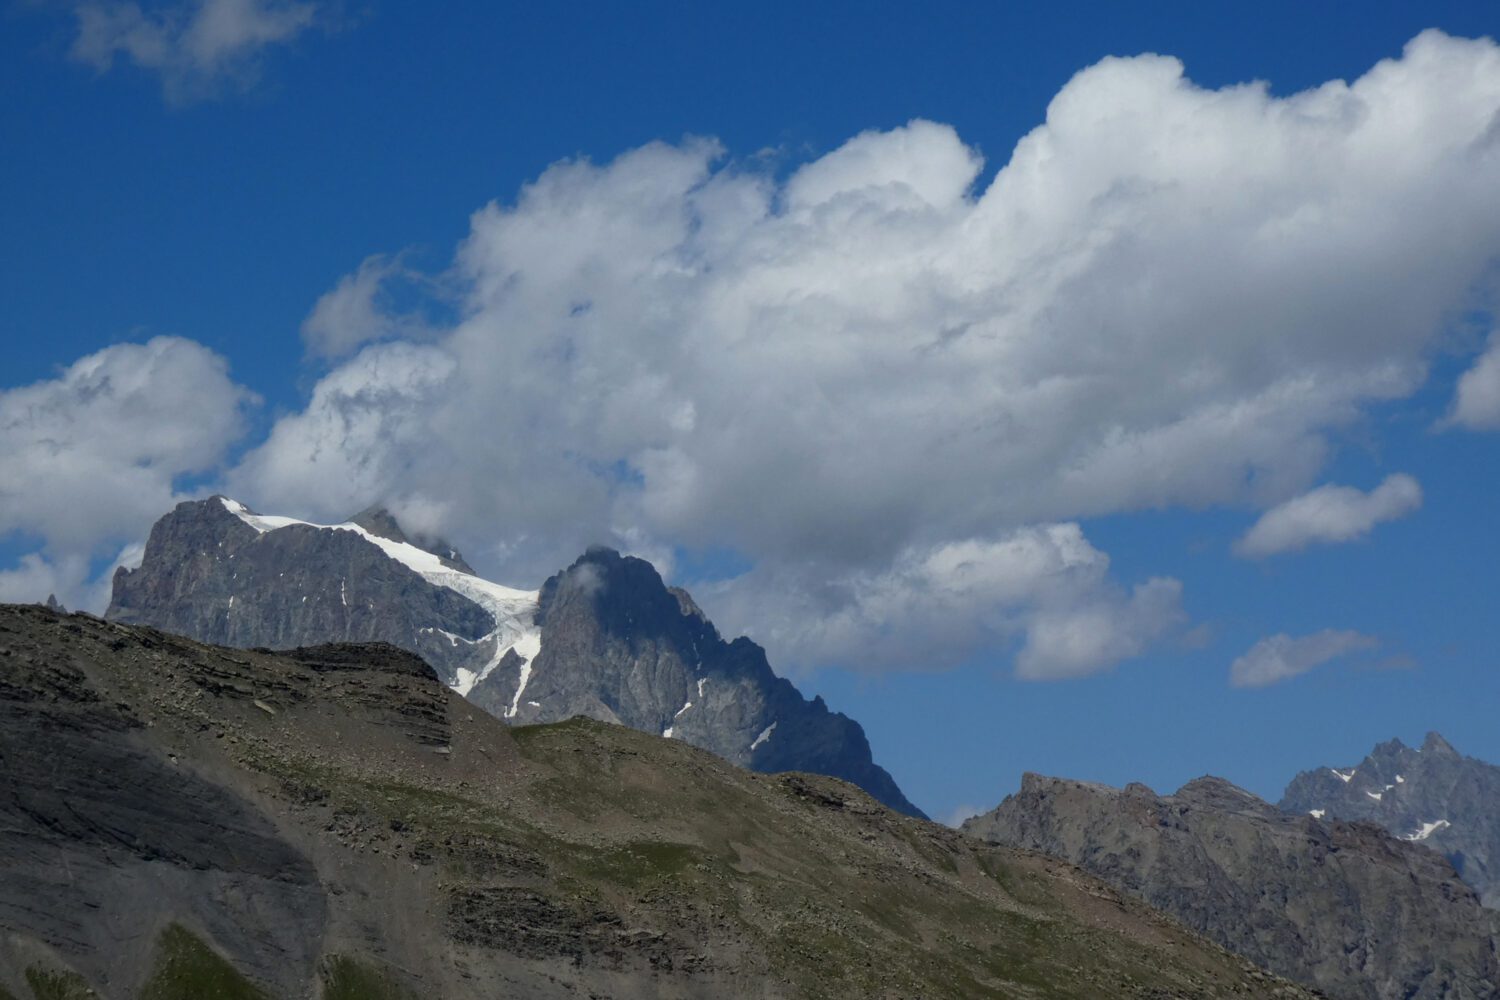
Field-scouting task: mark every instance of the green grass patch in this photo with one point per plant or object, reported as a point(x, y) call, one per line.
point(641, 862)
point(187, 969)
point(543, 732)
point(346, 978)
point(50, 984)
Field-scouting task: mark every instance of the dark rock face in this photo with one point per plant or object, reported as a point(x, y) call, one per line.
point(620, 646)
point(615, 643)
point(1432, 796)
point(1343, 907)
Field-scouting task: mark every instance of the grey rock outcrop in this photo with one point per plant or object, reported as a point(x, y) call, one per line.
point(1431, 795)
point(620, 646)
point(1343, 907)
point(605, 638)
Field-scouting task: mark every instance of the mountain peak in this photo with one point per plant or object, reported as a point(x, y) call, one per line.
point(1435, 744)
point(1220, 793)
point(379, 521)
point(1392, 747)
point(1433, 796)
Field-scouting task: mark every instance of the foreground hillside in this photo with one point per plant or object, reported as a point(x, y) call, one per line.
point(180, 820)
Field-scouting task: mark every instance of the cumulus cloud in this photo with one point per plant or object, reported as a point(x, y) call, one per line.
point(1328, 515)
point(92, 457)
point(357, 311)
point(1169, 295)
point(1279, 657)
point(194, 46)
point(1476, 405)
point(1044, 587)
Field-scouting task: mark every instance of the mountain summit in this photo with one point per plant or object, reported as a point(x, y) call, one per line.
point(1432, 795)
point(605, 638)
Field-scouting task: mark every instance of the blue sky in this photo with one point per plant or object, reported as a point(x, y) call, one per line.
point(890, 545)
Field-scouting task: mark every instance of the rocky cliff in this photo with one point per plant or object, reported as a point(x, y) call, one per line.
point(180, 821)
point(605, 638)
point(1430, 795)
point(1343, 907)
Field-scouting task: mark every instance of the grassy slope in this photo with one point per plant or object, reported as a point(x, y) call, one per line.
point(586, 850)
point(794, 878)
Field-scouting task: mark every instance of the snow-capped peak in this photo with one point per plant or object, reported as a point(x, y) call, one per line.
point(513, 610)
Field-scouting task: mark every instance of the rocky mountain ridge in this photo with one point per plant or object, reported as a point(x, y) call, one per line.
point(1343, 907)
point(181, 821)
point(1431, 795)
point(605, 638)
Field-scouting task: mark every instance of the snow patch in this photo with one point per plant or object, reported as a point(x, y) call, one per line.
point(1427, 830)
point(765, 734)
point(1345, 778)
point(684, 708)
point(1400, 780)
point(1317, 813)
point(667, 732)
point(526, 647)
point(453, 638)
point(1374, 795)
point(701, 681)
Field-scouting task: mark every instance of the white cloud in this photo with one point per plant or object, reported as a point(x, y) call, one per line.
point(356, 311)
point(1279, 657)
point(1329, 515)
point(1476, 405)
point(36, 577)
point(1043, 586)
point(1168, 296)
point(358, 438)
point(195, 46)
point(892, 392)
point(91, 458)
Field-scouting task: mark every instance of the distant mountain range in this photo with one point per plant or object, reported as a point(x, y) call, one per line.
point(604, 638)
point(1343, 907)
point(1430, 795)
point(180, 821)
